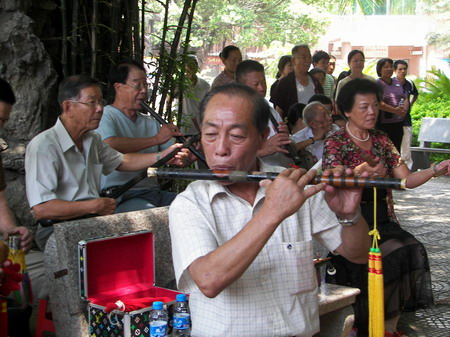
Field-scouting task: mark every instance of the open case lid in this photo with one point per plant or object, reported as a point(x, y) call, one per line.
point(117, 266)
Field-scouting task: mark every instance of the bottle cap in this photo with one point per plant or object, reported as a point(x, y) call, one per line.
point(158, 305)
point(181, 297)
point(14, 242)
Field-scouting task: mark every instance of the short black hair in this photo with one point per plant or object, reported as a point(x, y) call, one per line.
point(6, 92)
point(353, 53)
point(338, 117)
point(299, 46)
point(246, 67)
point(317, 70)
point(119, 73)
point(398, 62)
point(227, 50)
point(71, 87)
point(346, 97)
point(294, 114)
point(320, 98)
point(285, 59)
point(261, 109)
point(319, 55)
point(381, 63)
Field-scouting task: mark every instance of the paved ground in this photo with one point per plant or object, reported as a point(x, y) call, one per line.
point(425, 212)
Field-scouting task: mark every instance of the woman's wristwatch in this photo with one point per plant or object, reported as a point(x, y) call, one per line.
point(349, 222)
point(313, 141)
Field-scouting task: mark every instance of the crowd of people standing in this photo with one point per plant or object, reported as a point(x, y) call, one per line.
point(233, 242)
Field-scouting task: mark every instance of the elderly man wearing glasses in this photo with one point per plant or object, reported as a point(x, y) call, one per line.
point(125, 129)
point(64, 163)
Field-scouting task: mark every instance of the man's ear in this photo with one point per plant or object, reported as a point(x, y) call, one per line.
point(116, 85)
point(67, 108)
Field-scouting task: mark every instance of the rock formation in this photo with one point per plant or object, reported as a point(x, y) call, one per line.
point(25, 64)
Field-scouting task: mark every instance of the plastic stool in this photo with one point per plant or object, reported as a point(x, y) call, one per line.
point(45, 320)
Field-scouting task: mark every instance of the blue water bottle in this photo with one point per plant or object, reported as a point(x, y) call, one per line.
point(181, 317)
point(158, 320)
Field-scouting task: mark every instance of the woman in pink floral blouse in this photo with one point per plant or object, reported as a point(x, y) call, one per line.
point(407, 283)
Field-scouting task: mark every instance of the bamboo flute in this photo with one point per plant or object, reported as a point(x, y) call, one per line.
point(256, 176)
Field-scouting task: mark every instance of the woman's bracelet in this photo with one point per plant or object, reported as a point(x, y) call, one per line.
point(435, 167)
point(436, 170)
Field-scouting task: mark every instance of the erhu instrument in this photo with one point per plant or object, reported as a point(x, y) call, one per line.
point(181, 139)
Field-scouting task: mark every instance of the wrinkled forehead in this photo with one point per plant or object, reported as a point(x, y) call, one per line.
point(231, 108)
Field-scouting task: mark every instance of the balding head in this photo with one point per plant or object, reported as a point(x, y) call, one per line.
point(316, 115)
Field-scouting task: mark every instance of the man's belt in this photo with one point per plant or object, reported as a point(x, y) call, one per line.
point(49, 222)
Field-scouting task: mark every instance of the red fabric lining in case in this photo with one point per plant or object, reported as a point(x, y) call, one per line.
point(121, 269)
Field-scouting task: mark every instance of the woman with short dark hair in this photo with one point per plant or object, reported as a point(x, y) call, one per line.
point(361, 147)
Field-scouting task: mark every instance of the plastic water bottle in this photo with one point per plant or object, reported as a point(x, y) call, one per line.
point(158, 320)
point(181, 317)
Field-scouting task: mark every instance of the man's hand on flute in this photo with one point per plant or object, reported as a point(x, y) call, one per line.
point(287, 193)
point(343, 201)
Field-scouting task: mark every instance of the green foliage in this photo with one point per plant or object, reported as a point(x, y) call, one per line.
point(249, 23)
point(440, 10)
point(437, 84)
point(434, 101)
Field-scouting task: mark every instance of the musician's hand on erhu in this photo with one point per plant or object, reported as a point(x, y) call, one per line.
point(275, 144)
point(283, 128)
point(183, 158)
point(167, 132)
point(344, 202)
point(103, 206)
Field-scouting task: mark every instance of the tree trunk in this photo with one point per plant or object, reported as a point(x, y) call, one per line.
point(94, 38)
point(74, 39)
point(64, 38)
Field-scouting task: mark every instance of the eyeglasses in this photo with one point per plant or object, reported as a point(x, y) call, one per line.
point(139, 87)
point(92, 104)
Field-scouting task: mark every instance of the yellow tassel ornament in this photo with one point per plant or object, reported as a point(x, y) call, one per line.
point(376, 288)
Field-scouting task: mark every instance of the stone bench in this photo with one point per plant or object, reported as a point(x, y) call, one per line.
point(432, 130)
point(61, 261)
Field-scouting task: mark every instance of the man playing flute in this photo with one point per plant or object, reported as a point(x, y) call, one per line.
point(244, 251)
point(126, 130)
